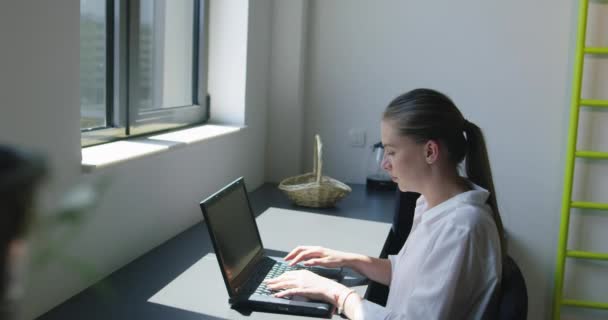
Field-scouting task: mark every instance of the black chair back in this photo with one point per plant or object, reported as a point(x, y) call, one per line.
point(402, 225)
point(513, 299)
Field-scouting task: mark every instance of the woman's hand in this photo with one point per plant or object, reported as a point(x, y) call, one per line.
point(375, 269)
point(307, 284)
point(317, 256)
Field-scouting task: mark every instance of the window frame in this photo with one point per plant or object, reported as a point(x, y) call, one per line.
point(121, 39)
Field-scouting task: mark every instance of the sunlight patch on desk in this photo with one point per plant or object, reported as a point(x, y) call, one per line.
point(185, 291)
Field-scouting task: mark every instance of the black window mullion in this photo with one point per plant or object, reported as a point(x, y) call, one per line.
point(109, 63)
point(195, 52)
point(131, 36)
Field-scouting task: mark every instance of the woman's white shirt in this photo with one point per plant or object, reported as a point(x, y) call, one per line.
point(449, 267)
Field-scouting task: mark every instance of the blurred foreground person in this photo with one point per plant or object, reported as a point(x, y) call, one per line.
point(20, 175)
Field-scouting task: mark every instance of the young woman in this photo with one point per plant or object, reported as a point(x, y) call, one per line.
point(451, 264)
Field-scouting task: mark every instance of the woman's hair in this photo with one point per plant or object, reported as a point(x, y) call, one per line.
point(425, 114)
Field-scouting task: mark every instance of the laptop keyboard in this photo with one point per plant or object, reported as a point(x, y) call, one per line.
point(277, 269)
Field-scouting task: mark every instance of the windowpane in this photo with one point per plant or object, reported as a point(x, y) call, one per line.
point(92, 64)
point(155, 76)
point(163, 70)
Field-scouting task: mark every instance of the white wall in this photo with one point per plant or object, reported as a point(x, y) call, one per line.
point(150, 199)
point(506, 64)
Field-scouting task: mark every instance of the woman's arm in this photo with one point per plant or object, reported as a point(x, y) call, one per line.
point(351, 305)
point(375, 269)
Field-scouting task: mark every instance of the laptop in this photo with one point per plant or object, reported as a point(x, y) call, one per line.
point(244, 262)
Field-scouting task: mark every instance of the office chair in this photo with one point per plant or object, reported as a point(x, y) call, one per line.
point(513, 299)
point(402, 225)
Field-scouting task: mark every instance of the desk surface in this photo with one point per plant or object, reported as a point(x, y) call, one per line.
point(180, 279)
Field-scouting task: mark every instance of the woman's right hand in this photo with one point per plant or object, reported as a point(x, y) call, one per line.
point(317, 256)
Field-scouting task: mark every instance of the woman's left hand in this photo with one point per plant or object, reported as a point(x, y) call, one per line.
point(307, 284)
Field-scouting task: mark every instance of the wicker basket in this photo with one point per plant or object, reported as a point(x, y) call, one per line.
point(313, 189)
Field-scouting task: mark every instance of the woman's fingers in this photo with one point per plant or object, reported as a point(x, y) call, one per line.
point(283, 277)
point(288, 292)
point(297, 251)
point(282, 285)
point(296, 292)
point(287, 276)
point(306, 255)
point(316, 262)
point(299, 283)
point(292, 253)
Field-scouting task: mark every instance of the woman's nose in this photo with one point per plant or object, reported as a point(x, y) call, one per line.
point(385, 164)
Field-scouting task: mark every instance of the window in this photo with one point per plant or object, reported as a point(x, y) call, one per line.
point(142, 67)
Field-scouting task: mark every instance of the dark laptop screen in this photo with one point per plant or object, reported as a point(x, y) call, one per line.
point(233, 228)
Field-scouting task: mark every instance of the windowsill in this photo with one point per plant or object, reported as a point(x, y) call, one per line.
point(116, 152)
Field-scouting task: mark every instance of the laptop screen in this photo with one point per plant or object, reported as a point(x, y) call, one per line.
point(233, 227)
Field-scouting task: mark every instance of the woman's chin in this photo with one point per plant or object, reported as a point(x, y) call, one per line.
point(403, 187)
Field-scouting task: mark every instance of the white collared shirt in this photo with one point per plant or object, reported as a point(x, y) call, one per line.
point(449, 267)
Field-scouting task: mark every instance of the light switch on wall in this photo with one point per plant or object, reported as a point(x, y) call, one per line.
point(356, 138)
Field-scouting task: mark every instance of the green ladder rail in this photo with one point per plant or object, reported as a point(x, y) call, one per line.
point(576, 103)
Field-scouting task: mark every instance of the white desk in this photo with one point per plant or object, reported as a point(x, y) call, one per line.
point(201, 288)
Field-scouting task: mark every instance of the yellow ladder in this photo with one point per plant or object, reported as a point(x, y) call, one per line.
point(576, 103)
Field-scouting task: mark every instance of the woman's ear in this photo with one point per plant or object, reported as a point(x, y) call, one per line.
point(431, 151)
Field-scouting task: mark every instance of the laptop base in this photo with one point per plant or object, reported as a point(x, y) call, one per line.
point(246, 307)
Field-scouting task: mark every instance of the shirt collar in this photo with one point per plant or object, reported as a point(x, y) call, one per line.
point(476, 196)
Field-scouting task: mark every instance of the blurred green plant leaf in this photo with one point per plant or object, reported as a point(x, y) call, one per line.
point(55, 232)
